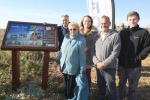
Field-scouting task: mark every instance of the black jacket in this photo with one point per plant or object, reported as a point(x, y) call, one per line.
point(135, 46)
point(61, 33)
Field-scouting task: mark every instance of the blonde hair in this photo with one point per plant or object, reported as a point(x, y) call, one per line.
point(73, 24)
point(82, 26)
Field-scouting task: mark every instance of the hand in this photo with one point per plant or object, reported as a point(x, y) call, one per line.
point(85, 49)
point(44, 23)
point(100, 65)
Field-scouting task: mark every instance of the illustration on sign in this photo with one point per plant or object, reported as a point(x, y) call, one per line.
point(30, 35)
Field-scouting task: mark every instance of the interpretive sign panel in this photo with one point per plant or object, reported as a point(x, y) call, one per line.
point(30, 36)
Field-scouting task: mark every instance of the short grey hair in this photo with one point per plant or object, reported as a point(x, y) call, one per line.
point(65, 16)
point(106, 17)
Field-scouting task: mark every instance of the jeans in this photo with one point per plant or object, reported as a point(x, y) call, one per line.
point(133, 76)
point(107, 76)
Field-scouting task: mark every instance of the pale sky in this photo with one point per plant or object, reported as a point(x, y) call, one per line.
point(50, 11)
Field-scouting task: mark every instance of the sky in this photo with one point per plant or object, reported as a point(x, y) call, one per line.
point(50, 11)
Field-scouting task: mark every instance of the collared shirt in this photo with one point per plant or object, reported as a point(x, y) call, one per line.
point(65, 30)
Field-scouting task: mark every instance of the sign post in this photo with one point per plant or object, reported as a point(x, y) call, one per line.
point(45, 70)
point(15, 69)
point(27, 36)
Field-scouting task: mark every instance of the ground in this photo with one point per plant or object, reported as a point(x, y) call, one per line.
point(55, 84)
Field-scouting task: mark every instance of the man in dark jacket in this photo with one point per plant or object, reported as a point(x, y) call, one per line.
point(63, 29)
point(135, 46)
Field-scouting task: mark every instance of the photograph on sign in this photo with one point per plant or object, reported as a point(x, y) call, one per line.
point(30, 35)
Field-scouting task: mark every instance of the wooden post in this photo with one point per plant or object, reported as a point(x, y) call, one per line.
point(15, 69)
point(45, 70)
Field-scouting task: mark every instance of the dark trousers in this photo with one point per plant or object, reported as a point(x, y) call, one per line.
point(69, 83)
point(88, 73)
point(104, 76)
point(133, 76)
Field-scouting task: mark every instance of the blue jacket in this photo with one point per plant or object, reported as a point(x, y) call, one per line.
point(81, 91)
point(71, 57)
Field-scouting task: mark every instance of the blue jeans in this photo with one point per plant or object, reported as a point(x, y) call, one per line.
point(107, 76)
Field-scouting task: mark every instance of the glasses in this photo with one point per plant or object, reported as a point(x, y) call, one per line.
point(73, 29)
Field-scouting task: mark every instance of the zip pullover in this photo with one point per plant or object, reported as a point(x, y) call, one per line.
point(106, 51)
point(135, 46)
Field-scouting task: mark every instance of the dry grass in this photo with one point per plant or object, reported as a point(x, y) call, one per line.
point(144, 82)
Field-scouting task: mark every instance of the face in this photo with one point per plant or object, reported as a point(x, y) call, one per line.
point(65, 21)
point(87, 22)
point(119, 28)
point(104, 24)
point(73, 30)
point(133, 21)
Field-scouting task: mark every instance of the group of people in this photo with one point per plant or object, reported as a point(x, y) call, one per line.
point(83, 47)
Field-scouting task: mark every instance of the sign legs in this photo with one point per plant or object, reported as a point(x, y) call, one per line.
point(15, 69)
point(45, 70)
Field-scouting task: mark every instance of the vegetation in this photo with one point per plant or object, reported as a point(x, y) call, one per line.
point(31, 66)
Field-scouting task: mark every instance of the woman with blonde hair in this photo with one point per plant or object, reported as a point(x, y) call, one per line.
point(88, 31)
point(72, 58)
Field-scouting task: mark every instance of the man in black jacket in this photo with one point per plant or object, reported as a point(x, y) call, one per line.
point(63, 29)
point(135, 46)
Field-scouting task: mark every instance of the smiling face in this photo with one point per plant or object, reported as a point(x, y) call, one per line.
point(104, 22)
point(73, 30)
point(133, 21)
point(87, 22)
point(65, 21)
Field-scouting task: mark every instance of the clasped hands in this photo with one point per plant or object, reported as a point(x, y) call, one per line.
point(100, 65)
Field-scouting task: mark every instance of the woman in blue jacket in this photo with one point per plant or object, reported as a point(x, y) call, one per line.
point(72, 58)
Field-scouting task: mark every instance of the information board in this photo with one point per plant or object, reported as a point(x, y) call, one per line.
point(30, 36)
